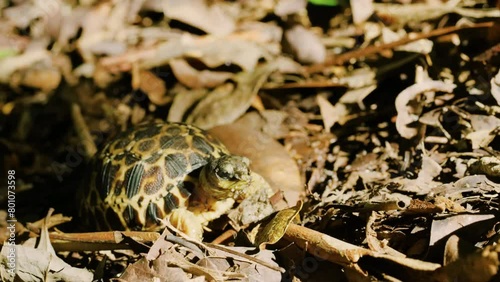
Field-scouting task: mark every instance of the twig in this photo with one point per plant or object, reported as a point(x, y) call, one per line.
point(243, 255)
point(83, 131)
point(340, 59)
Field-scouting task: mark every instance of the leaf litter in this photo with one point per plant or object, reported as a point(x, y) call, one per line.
point(383, 126)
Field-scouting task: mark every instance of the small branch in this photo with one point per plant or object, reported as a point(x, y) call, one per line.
point(355, 54)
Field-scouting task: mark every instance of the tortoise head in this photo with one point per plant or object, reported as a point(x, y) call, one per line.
point(226, 177)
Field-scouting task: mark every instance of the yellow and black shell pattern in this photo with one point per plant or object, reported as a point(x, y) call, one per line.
point(145, 173)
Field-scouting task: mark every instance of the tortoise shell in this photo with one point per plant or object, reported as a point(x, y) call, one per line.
point(144, 174)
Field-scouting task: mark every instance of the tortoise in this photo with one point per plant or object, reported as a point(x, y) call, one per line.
point(159, 171)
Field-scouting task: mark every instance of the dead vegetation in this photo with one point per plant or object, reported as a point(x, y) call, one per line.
point(376, 124)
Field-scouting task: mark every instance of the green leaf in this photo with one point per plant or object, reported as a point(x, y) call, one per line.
point(331, 3)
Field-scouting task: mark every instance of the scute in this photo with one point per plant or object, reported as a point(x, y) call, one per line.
point(176, 165)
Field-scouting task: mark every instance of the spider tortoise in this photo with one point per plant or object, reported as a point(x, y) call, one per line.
point(161, 171)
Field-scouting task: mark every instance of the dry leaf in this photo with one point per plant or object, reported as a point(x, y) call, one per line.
point(253, 271)
point(330, 114)
point(193, 78)
point(268, 157)
point(40, 263)
point(276, 228)
point(152, 85)
point(211, 19)
point(361, 10)
point(184, 100)
point(495, 88)
point(409, 105)
point(362, 77)
point(486, 165)
point(213, 53)
point(305, 45)
point(225, 107)
point(11, 64)
point(442, 228)
point(356, 96)
point(481, 265)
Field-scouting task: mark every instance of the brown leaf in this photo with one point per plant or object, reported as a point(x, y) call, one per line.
point(268, 157)
point(40, 263)
point(152, 85)
point(193, 78)
point(409, 105)
point(305, 45)
point(184, 99)
point(276, 228)
point(211, 19)
point(225, 107)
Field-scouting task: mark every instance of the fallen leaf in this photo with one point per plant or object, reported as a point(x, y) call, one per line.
point(361, 10)
point(409, 105)
point(305, 45)
point(495, 87)
point(481, 265)
point(276, 227)
point(153, 86)
point(268, 157)
point(193, 78)
point(489, 166)
point(330, 114)
point(184, 99)
point(38, 264)
point(211, 19)
point(225, 107)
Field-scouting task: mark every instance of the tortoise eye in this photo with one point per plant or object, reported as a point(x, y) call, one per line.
point(225, 172)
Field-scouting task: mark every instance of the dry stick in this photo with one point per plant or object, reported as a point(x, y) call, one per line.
point(224, 236)
point(324, 246)
point(83, 131)
point(342, 253)
point(340, 59)
point(97, 241)
point(248, 257)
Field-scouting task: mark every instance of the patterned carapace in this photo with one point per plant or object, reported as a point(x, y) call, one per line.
point(144, 174)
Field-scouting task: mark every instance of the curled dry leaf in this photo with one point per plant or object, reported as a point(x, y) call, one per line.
point(495, 88)
point(225, 107)
point(184, 100)
point(167, 261)
point(213, 53)
point(361, 77)
point(305, 45)
point(276, 228)
point(152, 85)
point(11, 64)
point(40, 263)
point(330, 114)
point(442, 228)
point(422, 46)
point(481, 265)
point(424, 183)
point(260, 267)
point(44, 78)
point(409, 106)
point(457, 248)
point(471, 183)
point(489, 166)
point(361, 10)
point(268, 157)
point(193, 78)
point(356, 96)
point(289, 7)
